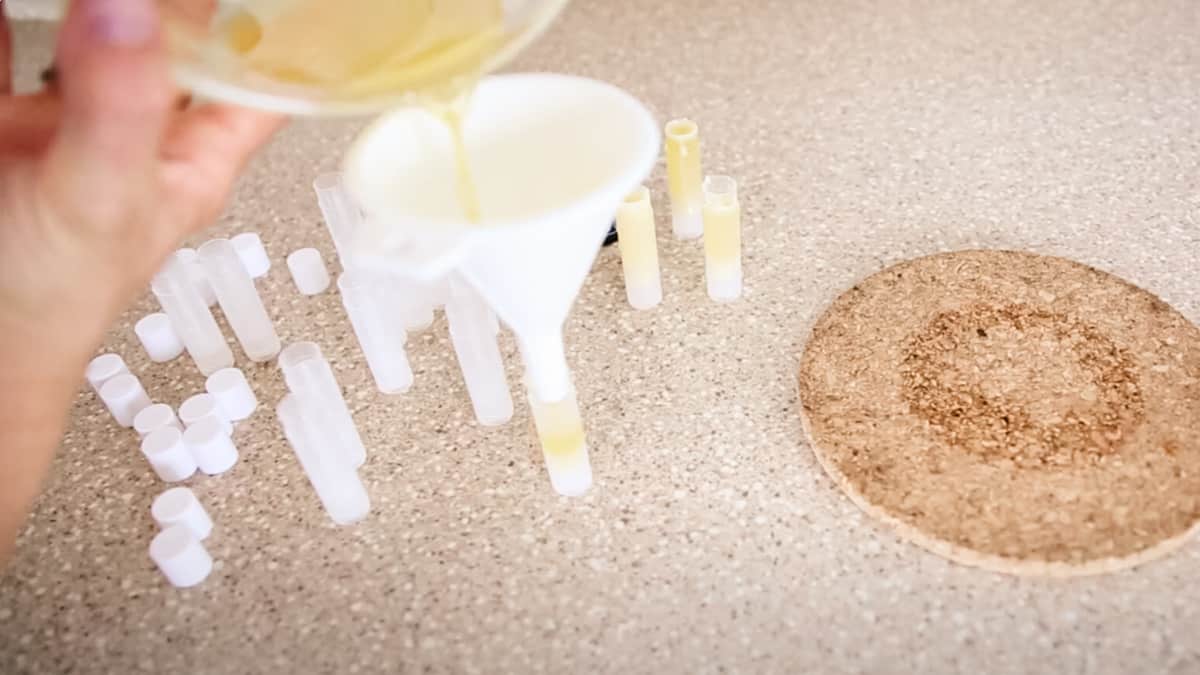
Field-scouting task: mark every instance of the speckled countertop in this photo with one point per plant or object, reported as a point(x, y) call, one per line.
point(864, 133)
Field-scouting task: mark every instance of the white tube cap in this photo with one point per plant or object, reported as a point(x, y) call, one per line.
point(191, 258)
point(125, 398)
point(168, 456)
point(210, 446)
point(233, 393)
point(250, 249)
point(155, 417)
point(158, 337)
point(308, 271)
point(202, 407)
point(180, 556)
point(104, 368)
point(179, 506)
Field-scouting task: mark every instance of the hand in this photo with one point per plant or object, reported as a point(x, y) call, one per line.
point(100, 179)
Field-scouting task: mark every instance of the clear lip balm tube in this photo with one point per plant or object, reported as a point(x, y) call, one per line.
point(472, 330)
point(380, 331)
point(239, 300)
point(336, 483)
point(722, 239)
point(176, 291)
point(310, 378)
point(564, 443)
point(683, 177)
point(639, 250)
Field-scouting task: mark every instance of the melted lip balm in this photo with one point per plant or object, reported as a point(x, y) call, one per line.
point(683, 178)
point(639, 250)
point(564, 444)
point(722, 239)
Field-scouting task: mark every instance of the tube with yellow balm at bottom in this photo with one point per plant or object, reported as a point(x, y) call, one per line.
point(639, 250)
point(722, 239)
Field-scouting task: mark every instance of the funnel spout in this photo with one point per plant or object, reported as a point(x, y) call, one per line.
point(549, 378)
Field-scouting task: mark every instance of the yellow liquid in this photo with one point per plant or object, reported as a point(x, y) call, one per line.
point(368, 46)
point(434, 48)
point(723, 235)
point(683, 168)
point(560, 430)
point(636, 238)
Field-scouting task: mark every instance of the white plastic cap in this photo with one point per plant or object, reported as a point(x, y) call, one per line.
point(158, 336)
point(155, 417)
point(308, 271)
point(233, 393)
point(104, 368)
point(168, 456)
point(179, 506)
point(210, 446)
point(180, 556)
point(202, 407)
point(250, 249)
point(125, 398)
point(191, 257)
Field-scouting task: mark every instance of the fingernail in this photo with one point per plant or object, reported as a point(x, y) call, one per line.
point(121, 23)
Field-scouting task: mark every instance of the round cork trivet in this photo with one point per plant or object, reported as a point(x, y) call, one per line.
point(1021, 413)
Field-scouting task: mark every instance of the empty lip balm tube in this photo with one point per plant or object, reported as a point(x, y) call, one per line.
point(564, 443)
point(233, 394)
point(308, 271)
point(155, 417)
point(124, 397)
point(203, 407)
point(342, 215)
point(179, 506)
point(253, 254)
point(104, 368)
point(158, 337)
point(639, 250)
point(317, 447)
point(180, 556)
point(380, 332)
point(191, 317)
point(239, 300)
point(210, 446)
point(317, 392)
point(722, 238)
point(683, 177)
point(168, 455)
point(473, 333)
point(191, 259)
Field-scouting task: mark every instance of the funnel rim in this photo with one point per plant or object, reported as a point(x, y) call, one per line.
point(639, 167)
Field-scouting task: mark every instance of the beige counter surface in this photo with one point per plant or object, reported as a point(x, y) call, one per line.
point(863, 133)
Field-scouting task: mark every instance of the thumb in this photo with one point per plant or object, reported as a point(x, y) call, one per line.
point(117, 95)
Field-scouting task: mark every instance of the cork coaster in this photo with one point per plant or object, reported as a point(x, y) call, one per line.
point(1016, 412)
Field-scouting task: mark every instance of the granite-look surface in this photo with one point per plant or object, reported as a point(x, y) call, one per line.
point(863, 133)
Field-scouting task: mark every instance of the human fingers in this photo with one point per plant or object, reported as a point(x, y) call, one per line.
point(116, 100)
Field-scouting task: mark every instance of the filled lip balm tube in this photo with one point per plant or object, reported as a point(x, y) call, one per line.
point(310, 378)
point(722, 239)
point(683, 177)
point(335, 481)
point(176, 291)
point(239, 300)
point(380, 332)
point(639, 250)
point(564, 443)
point(473, 332)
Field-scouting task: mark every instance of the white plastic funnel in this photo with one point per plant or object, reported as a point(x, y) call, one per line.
point(552, 156)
